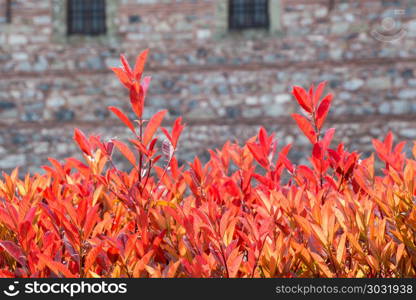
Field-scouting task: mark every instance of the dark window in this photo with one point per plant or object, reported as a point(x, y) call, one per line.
point(134, 19)
point(246, 14)
point(6, 9)
point(86, 17)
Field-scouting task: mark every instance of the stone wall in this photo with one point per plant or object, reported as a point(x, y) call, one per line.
point(225, 84)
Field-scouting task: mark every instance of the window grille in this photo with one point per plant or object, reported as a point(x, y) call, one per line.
point(246, 14)
point(86, 17)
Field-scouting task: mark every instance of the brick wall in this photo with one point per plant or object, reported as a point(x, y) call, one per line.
point(225, 84)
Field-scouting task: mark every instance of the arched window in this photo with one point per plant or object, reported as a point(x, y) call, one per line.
point(86, 17)
point(247, 14)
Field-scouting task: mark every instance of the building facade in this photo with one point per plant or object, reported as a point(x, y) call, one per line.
point(226, 66)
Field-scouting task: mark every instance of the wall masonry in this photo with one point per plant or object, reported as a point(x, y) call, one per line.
point(225, 84)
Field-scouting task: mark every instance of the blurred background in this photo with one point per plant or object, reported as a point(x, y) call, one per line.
point(226, 66)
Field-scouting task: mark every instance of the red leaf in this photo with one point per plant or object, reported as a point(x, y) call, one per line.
point(152, 144)
point(323, 111)
point(126, 152)
point(58, 167)
point(122, 117)
point(83, 168)
point(123, 77)
point(91, 257)
point(145, 85)
point(137, 99)
point(317, 151)
point(126, 66)
point(82, 141)
point(7, 274)
point(14, 251)
point(176, 132)
point(140, 62)
point(153, 125)
point(113, 254)
point(283, 158)
point(92, 218)
point(334, 155)
point(262, 136)
point(380, 149)
point(306, 127)
point(167, 134)
point(329, 135)
point(399, 147)
point(302, 98)
point(307, 173)
point(55, 266)
point(311, 89)
point(95, 142)
point(318, 93)
point(196, 171)
point(140, 147)
point(6, 219)
point(388, 141)
point(258, 154)
point(350, 164)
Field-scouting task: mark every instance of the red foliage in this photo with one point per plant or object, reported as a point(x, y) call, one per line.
point(248, 212)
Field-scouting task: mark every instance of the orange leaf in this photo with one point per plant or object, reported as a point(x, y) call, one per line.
point(304, 224)
point(319, 234)
point(172, 268)
point(142, 263)
point(125, 151)
point(372, 261)
point(122, 117)
point(233, 262)
point(318, 260)
point(153, 125)
point(91, 257)
point(399, 253)
point(341, 248)
point(355, 244)
point(123, 77)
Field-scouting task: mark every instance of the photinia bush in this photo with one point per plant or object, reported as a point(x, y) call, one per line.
point(248, 212)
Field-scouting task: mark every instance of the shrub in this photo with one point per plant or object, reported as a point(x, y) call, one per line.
point(248, 212)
